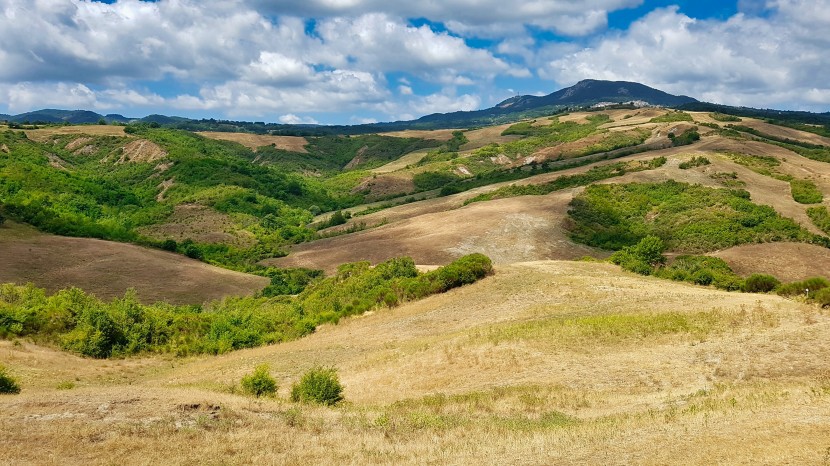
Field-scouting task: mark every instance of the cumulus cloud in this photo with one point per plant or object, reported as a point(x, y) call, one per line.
point(745, 60)
point(291, 119)
point(488, 16)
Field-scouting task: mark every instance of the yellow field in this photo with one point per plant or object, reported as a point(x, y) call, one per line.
point(545, 362)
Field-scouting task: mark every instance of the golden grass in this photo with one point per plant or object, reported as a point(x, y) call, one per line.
point(43, 134)
point(253, 141)
point(588, 365)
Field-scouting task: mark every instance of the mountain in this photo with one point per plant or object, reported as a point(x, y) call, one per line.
point(582, 94)
point(591, 91)
point(51, 115)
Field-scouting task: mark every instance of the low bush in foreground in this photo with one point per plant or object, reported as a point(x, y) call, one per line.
point(760, 283)
point(259, 382)
point(805, 192)
point(7, 383)
point(318, 385)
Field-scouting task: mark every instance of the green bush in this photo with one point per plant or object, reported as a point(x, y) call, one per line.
point(724, 117)
point(7, 383)
point(813, 284)
point(318, 385)
point(685, 138)
point(259, 382)
point(701, 270)
point(822, 297)
point(672, 117)
point(760, 283)
point(820, 217)
point(688, 218)
point(694, 162)
point(805, 192)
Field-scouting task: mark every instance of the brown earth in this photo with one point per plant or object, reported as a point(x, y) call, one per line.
point(201, 224)
point(786, 261)
point(141, 150)
point(543, 363)
point(506, 230)
point(489, 135)
point(107, 269)
point(253, 141)
point(437, 135)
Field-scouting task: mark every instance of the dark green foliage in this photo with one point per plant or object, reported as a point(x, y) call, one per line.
point(259, 382)
point(760, 283)
point(336, 218)
point(454, 144)
point(822, 297)
point(642, 257)
point(805, 149)
point(86, 325)
point(724, 117)
point(318, 385)
point(701, 270)
point(368, 151)
point(8, 384)
point(805, 192)
point(689, 218)
point(820, 217)
point(289, 281)
point(696, 161)
point(426, 181)
point(672, 117)
point(685, 138)
point(807, 287)
point(597, 173)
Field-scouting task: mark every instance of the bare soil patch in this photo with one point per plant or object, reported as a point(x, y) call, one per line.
point(489, 135)
point(437, 134)
point(253, 141)
point(507, 230)
point(786, 261)
point(107, 269)
point(141, 150)
point(201, 224)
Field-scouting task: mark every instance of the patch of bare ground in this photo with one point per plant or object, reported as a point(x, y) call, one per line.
point(784, 132)
point(436, 135)
point(57, 162)
point(489, 135)
point(786, 261)
point(399, 164)
point(385, 185)
point(541, 363)
point(201, 224)
point(507, 230)
point(44, 134)
point(78, 144)
point(141, 150)
point(253, 141)
point(107, 269)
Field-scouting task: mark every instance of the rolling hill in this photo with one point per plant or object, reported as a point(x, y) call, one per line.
point(646, 302)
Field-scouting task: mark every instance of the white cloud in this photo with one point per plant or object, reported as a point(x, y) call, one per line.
point(26, 96)
point(405, 90)
point(469, 17)
point(745, 60)
point(291, 119)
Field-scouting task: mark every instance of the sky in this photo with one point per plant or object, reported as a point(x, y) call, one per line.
point(359, 61)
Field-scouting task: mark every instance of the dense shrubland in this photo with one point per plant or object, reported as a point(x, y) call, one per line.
point(81, 323)
point(688, 218)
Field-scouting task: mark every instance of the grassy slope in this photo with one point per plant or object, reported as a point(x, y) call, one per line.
point(592, 365)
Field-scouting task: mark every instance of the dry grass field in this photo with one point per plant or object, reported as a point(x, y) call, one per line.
point(107, 269)
point(542, 363)
point(43, 134)
point(253, 141)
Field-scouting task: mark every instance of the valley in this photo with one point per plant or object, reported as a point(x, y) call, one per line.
point(618, 285)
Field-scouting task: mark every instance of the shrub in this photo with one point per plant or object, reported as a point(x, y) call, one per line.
point(822, 297)
point(318, 385)
point(694, 162)
point(259, 382)
point(805, 192)
point(760, 283)
point(7, 383)
point(642, 257)
point(813, 284)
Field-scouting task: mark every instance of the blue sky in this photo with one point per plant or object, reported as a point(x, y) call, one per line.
point(338, 62)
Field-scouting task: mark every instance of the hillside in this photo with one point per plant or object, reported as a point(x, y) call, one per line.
point(545, 362)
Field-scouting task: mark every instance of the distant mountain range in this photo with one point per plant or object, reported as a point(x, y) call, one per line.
point(584, 94)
